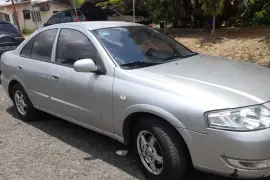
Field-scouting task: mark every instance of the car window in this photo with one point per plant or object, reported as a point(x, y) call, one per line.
point(67, 17)
point(55, 19)
point(42, 47)
point(72, 46)
point(80, 16)
point(138, 43)
point(9, 29)
point(27, 49)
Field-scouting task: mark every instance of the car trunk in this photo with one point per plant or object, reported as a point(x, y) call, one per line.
point(93, 13)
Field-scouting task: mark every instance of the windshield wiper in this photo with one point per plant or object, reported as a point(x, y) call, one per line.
point(175, 56)
point(139, 63)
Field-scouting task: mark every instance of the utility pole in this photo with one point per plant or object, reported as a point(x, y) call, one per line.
point(16, 16)
point(76, 13)
point(134, 13)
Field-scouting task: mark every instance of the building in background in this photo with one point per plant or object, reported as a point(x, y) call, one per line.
point(31, 15)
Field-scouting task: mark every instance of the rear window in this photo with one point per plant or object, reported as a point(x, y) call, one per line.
point(80, 16)
point(9, 29)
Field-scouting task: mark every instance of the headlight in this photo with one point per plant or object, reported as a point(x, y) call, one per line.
point(241, 119)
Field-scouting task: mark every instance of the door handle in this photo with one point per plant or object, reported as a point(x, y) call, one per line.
point(19, 67)
point(55, 76)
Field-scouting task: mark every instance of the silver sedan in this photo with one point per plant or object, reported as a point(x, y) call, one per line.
point(176, 108)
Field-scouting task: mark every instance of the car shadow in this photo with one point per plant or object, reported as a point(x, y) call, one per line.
point(96, 145)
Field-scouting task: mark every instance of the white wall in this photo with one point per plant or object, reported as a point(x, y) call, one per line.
point(28, 23)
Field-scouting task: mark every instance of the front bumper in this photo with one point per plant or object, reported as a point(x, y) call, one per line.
point(208, 151)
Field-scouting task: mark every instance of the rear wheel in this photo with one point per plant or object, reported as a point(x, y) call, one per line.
point(22, 103)
point(161, 153)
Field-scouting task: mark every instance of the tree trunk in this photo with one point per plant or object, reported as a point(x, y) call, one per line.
point(269, 12)
point(214, 26)
point(165, 27)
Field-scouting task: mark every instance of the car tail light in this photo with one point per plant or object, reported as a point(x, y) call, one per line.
point(150, 25)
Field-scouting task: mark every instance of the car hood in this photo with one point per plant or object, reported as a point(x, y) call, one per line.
point(221, 82)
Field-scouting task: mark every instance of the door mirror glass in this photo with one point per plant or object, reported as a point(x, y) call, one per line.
point(85, 65)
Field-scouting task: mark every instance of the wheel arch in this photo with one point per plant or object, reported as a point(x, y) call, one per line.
point(134, 113)
point(13, 81)
point(132, 119)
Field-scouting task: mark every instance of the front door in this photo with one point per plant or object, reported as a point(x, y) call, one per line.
point(84, 97)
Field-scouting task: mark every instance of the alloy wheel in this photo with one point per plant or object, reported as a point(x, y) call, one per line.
point(20, 102)
point(150, 152)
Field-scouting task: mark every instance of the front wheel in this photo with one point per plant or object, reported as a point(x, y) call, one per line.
point(161, 153)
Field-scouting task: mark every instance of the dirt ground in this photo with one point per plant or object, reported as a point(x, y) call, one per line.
point(248, 44)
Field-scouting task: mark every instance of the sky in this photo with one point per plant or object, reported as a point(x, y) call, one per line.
point(3, 2)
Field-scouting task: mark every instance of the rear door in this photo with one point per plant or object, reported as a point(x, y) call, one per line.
point(35, 68)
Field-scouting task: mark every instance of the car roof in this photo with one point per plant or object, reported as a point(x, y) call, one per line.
point(92, 25)
point(67, 10)
point(4, 22)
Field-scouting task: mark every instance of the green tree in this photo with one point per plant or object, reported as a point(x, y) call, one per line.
point(161, 10)
point(213, 8)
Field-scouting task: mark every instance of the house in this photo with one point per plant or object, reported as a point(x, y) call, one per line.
point(31, 14)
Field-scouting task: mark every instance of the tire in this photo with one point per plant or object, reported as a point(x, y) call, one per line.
point(28, 113)
point(168, 145)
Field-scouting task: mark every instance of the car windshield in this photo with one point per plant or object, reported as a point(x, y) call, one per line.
point(8, 29)
point(140, 46)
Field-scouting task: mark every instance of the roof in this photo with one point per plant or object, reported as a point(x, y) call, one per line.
point(33, 2)
point(16, 3)
point(92, 25)
point(4, 22)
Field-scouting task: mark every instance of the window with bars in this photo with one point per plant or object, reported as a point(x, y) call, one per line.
point(14, 18)
point(36, 17)
point(7, 18)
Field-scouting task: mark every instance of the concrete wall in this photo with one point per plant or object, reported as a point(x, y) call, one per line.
point(28, 23)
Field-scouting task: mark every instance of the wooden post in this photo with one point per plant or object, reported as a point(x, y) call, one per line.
point(16, 17)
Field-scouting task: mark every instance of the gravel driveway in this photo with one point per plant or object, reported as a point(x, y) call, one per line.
point(51, 148)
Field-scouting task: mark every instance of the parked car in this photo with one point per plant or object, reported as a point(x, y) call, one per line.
point(65, 16)
point(114, 15)
point(10, 37)
point(175, 107)
point(86, 12)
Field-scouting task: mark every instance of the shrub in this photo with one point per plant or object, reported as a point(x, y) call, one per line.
point(27, 31)
point(260, 18)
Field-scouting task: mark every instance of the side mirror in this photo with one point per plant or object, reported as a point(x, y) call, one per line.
point(85, 65)
point(45, 24)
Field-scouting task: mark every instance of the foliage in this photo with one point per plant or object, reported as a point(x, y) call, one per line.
point(26, 31)
point(260, 18)
point(111, 2)
point(160, 10)
point(212, 7)
point(257, 12)
point(70, 2)
point(78, 2)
